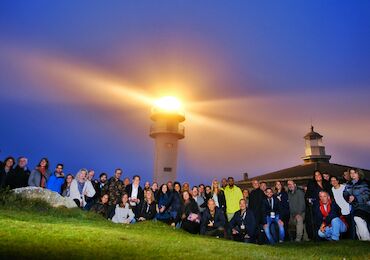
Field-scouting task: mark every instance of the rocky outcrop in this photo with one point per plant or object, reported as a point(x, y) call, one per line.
point(53, 198)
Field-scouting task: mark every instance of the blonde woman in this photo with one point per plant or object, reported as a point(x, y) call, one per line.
point(81, 188)
point(218, 195)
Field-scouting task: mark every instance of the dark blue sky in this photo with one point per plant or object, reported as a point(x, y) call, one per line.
point(257, 72)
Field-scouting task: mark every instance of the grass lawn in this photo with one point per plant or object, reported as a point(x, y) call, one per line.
point(34, 230)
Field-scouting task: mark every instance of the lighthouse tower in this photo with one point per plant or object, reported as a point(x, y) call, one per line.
point(314, 148)
point(167, 114)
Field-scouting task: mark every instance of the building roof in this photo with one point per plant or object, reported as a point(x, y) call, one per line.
point(312, 135)
point(306, 171)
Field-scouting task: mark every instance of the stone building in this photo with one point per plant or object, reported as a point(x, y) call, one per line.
point(315, 158)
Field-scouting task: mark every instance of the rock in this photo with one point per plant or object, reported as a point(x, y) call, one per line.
point(53, 198)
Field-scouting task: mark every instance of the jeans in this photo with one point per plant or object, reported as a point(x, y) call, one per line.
point(333, 232)
point(269, 221)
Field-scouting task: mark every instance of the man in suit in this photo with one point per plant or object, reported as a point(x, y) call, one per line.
point(272, 209)
point(135, 194)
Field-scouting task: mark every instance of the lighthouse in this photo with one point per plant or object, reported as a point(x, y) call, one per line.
point(167, 114)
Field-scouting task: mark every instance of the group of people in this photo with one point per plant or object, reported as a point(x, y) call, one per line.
point(328, 208)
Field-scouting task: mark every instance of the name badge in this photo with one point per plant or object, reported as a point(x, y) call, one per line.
point(272, 214)
point(242, 227)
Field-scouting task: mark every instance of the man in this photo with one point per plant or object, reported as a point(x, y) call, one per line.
point(201, 189)
point(198, 199)
point(223, 183)
point(272, 211)
point(135, 194)
point(233, 195)
point(256, 198)
point(213, 221)
point(297, 209)
point(56, 180)
point(114, 189)
point(18, 178)
point(326, 176)
point(100, 184)
point(243, 224)
point(328, 218)
point(263, 186)
point(170, 186)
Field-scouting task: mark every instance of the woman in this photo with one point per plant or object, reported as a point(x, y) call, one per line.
point(155, 190)
point(314, 187)
point(208, 193)
point(246, 195)
point(148, 208)
point(5, 170)
point(163, 213)
point(190, 214)
point(123, 213)
point(101, 207)
point(218, 196)
point(357, 193)
point(176, 204)
point(282, 196)
point(81, 188)
point(66, 187)
point(40, 175)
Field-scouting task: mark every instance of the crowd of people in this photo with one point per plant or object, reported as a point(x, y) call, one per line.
point(327, 208)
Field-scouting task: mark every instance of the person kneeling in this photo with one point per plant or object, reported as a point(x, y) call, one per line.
point(328, 217)
point(101, 207)
point(243, 224)
point(123, 212)
point(190, 214)
point(213, 220)
point(272, 209)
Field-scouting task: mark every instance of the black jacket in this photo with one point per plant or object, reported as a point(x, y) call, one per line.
point(190, 207)
point(4, 176)
point(313, 190)
point(335, 212)
point(267, 208)
point(256, 199)
point(140, 192)
point(248, 221)
point(219, 220)
point(18, 178)
point(147, 211)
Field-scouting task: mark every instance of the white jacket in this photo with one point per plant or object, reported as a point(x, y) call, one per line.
point(123, 215)
point(75, 194)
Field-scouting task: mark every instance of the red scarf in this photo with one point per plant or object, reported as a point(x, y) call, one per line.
point(324, 212)
point(42, 170)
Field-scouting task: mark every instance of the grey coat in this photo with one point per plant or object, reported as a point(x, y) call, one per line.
point(35, 178)
point(297, 203)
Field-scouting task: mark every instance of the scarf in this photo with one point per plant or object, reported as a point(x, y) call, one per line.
point(42, 170)
point(326, 212)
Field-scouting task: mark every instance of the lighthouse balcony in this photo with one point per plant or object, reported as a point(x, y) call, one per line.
point(179, 130)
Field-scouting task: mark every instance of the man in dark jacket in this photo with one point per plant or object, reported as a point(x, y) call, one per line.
point(135, 194)
point(18, 178)
point(243, 224)
point(256, 198)
point(272, 211)
point(213, 220)
point(328, 217)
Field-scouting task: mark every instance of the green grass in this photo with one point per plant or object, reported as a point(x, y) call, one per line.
point(30, 229)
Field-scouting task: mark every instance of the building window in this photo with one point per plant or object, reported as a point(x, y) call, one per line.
point(167, 169)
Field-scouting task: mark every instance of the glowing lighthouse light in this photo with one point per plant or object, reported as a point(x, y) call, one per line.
point(166, 129)
point(168, 104)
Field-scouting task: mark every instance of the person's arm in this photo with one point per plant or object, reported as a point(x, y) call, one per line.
point(131, 215)
point(90, 191)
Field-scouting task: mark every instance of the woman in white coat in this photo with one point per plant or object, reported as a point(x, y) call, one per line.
point(123, 213)
point(80, 188)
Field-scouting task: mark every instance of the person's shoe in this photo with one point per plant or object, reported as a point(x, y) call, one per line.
point(281, 241)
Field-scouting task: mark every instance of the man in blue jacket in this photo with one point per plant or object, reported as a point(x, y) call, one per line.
point(56, 180)
point(213, 220)
point(328, 217)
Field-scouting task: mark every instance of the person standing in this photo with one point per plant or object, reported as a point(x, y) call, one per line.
point(282, 196)
point(18, 178)
point(256, 198)
point(56, 180)
point(114, 188)
point(233, 194)
point(135, 194)
point(40, 175)
point(6, 169)
point(297, 208)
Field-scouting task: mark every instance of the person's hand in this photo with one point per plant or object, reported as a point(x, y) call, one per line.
point(141, 219)
point(322, 227)
point(298, 217)
point(162, 209)
point(210, 223)
point(265, 226)
point(280, 222)
point(234, 231)
point(351, 199)
point(137, 201)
